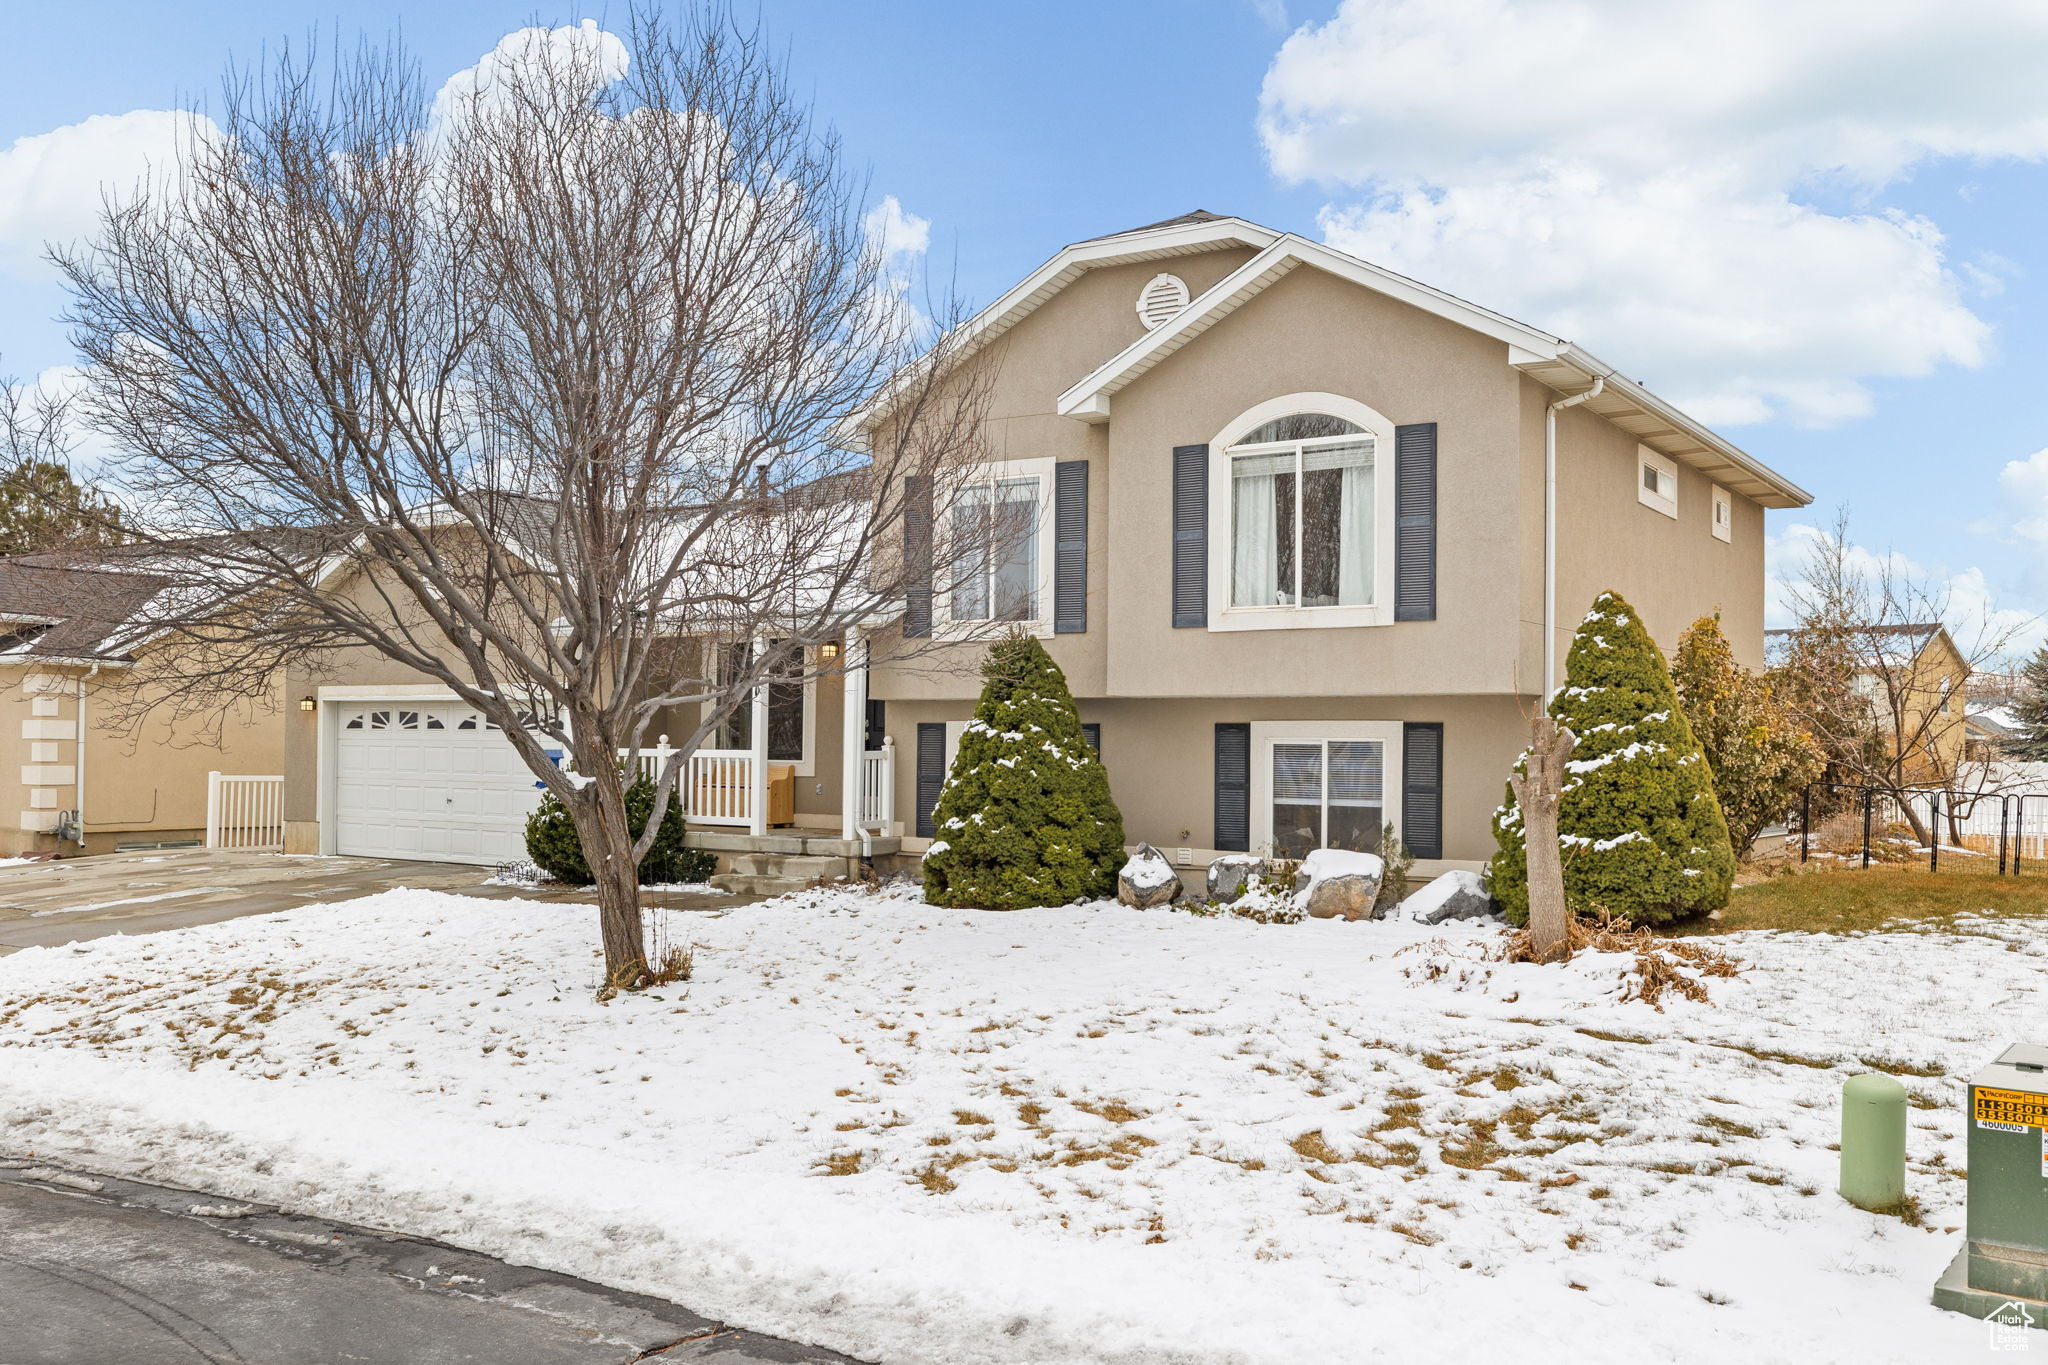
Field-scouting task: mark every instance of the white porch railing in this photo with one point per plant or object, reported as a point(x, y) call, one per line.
point(716, 787)
point(719, 786)
point(649, 762)
point(244, 812)
point(878, 786)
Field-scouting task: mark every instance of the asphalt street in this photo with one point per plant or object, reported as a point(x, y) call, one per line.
point(95, 1271)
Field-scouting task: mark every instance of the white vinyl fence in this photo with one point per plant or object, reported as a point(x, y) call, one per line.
point(244, 811)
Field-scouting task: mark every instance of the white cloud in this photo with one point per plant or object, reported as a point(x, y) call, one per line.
point(573, 47)
point(903, 239)
point(1639, 177)
point(52, 184)
point(2023, 486)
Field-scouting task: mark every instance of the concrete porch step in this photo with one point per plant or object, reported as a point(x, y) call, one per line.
point(748, 884)
point(787, 865)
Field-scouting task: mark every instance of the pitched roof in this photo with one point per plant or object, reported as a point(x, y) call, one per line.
point(52, 612)
point(1559, 364)
point(1887, 645)
point(1197, 216)
point(1552, 361)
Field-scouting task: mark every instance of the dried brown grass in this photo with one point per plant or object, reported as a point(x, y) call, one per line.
point(1662, 964)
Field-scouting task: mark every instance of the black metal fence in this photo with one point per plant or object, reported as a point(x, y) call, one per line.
point(2004, 834)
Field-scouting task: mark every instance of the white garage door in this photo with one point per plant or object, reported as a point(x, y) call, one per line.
point(429, 780)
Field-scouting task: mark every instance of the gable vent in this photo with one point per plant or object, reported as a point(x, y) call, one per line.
point(1161, 299)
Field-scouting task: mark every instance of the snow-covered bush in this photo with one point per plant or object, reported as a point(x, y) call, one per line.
point(1269, 896)
point(1025, 817)
point(1643, 836)
point(552, 843)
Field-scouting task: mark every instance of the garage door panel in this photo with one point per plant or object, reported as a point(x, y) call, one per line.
point(441, 793)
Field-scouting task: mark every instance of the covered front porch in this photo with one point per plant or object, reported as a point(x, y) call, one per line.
point(807, 791)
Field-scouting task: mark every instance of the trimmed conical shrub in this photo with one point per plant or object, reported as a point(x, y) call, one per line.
point(1025, 817)
point(1642, 833)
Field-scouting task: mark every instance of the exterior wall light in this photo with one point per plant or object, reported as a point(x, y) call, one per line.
point(829, 650)
point(308, 704)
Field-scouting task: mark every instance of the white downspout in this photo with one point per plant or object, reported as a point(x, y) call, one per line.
point(1550, 533)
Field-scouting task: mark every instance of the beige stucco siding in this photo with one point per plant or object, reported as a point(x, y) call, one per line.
point(1161, 757)
point(1311, 332)
point(1034, 362)
point(1672, 571)
point(140, 782)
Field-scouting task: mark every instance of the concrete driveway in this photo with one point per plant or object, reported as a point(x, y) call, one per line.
point(94, 1270)
point(68, 899)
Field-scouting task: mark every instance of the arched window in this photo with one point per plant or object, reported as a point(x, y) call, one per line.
point(1299, 426)
point(1302, 513)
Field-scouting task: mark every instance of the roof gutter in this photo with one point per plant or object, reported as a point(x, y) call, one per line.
point(1550, 532)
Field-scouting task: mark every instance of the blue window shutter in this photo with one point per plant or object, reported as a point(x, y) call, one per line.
point(917, 555)
point(931, 773)
point(1070, 547)
point(1091, 731)
point(1415, 522)
point(1422, 788)
point(1190, 536)
point(1234, 786)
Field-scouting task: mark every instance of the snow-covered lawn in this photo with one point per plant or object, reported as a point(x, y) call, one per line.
point(1083, 1134)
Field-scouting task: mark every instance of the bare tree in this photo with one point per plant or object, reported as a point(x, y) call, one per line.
point(1877, 668)
point(1538, 788)
point(538, 390)
point(43, 505)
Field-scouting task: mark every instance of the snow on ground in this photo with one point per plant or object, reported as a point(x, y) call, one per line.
point(1076, 1134)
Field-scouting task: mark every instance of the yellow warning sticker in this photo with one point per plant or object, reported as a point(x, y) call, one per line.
point(2010, 1106)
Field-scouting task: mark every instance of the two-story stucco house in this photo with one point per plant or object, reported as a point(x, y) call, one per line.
point(1293, 554)
point(1310, 539)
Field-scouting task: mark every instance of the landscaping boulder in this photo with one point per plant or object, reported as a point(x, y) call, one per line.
point(1147, 880)
point(1455, 895)
point(1337, 883)
point(1229, 874)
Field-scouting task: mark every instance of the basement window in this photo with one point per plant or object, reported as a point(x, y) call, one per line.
point(1656, 481)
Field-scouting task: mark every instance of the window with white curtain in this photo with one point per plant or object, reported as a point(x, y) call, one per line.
point(1302, 514)
point(995, 574)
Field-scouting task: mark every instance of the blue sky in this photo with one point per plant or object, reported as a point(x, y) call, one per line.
point(1829, 248)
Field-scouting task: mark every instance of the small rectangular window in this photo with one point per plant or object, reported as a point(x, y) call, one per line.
point(1724, 515)
point(1657, 481)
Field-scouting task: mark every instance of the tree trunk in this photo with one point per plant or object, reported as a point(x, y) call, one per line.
point(607, 841)
point(1905, 801)
point(1537, 791)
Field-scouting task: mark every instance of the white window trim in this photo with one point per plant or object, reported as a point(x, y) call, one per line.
point(1266, 733)
point(1222, 615)
point(1723, 522)
point(1647, 458)
point(943, 624)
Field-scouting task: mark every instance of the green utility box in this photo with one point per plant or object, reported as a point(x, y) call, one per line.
point(2005, 1242)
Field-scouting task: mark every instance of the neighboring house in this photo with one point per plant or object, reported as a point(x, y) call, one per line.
point(1988, 729)
point(1989, 720)
point(1290, 550)
point(80, 786)
point(1917, 685)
